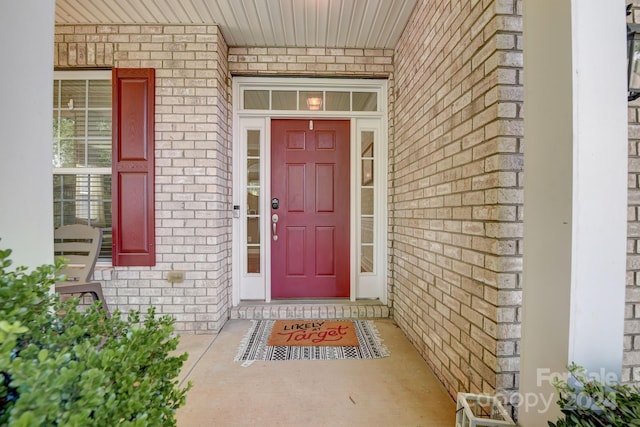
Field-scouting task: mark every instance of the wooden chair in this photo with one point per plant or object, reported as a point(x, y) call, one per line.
point(79, 245)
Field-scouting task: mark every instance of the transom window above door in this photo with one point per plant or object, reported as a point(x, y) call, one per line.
point(309, 100)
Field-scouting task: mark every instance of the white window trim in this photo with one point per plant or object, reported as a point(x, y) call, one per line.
point(84, 75)
point(258, 286)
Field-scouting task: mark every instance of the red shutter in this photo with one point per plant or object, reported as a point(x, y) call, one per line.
point(133, 167)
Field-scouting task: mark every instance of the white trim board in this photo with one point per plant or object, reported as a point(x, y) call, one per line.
point(257, 286)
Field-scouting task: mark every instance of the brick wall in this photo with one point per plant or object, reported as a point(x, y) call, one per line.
point(631, 363)
point(457, 190)
point(193, 165)
point(193, 150)
point(631, 357)
point(311, 62)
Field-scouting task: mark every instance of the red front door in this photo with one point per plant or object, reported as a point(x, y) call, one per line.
point(310, 180)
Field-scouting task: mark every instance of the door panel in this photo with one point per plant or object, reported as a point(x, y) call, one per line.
point(310, 178)
point(326, 140)
point(325, 181)
point(295, 251)
point(325, 262)
point(295, 188)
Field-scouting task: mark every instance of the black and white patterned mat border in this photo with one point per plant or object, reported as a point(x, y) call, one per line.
point(254, 345)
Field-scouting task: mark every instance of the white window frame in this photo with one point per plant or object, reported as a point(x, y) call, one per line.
point(83, 75)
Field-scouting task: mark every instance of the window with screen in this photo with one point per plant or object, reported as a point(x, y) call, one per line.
point(82, 151)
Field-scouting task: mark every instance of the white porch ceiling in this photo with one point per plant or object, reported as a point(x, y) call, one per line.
point(369, 24)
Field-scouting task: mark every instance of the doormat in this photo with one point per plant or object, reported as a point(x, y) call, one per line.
point(255, 345)
point(313, 333)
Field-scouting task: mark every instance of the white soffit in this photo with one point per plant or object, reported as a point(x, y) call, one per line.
point(369, 24)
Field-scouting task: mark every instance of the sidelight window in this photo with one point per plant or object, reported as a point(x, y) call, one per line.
point(253, 201)
point(367, 202)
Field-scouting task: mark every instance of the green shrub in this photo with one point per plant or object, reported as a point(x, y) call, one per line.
point(591, 403)
point(66, 367)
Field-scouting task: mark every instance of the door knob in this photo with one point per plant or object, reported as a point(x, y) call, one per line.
point(274, 223)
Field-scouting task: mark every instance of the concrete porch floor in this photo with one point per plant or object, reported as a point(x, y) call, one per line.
point(399, 390)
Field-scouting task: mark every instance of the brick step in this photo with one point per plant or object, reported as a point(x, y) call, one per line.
point(369, 309)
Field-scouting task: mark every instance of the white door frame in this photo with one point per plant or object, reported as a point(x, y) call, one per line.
point(364, 285)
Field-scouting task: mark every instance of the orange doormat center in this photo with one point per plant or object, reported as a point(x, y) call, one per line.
point(336, 333)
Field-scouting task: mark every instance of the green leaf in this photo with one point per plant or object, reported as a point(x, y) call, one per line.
point(42, 355)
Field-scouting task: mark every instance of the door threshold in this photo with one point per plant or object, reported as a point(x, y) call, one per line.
point(320, 301)
point(311, 309)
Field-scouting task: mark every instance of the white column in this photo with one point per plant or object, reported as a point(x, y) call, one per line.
point(575, 193)
point(26, 204)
